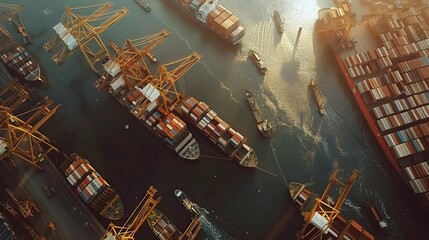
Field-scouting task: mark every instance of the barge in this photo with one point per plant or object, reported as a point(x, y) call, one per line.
point(258, 62)
point(279, 21)
point(213, 16)
point(17, 59)
point(141, 101)
point(218, 131)
point(389, 82)
point(162, 227)
point(143, 5)
point(349, 229)
point(262, 124)
point(317, 96)
point(190, 206)
point(92, 188)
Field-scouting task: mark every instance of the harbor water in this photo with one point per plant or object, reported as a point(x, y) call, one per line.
point(241, 203)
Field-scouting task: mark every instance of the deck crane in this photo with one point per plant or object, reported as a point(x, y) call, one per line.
point(11, 13)
point(323, 212)
point(82, 31)
point(165, 81)
point(134, 222)
point(129, 59)
point(21, 138)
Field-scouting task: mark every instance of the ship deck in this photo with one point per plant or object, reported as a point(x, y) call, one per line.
point(410, 152)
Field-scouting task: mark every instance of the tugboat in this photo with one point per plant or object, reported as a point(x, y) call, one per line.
point(262, 124)
point(143, 5)
point(191, 207)
point(162, 226)
point(279, 22)
point(258, 61)
point(317, 97)
point(376, 217)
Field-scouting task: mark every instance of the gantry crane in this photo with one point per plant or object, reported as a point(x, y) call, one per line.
point(26, 206)
point(165, 81)
point(12, 95)
point(11, 13)
point(82, 31)
point(130, 60)
point(323, 211)
point(134, 222)
point(20, 138)
point(192, 230)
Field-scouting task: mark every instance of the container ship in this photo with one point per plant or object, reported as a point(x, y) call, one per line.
point(6, 233)
point(279, 22)
point(165, 125)
point(317, 96)
point(213, 16)
point(218, 131)
point(143, 5)
point(163, 228)
point(389, 82)
point(190, 206)
point(92, 188)
point(349, 228)
point(258, 62)
point(262, 124)
point(18, 60)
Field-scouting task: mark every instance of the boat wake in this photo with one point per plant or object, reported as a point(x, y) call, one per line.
point(211, 230)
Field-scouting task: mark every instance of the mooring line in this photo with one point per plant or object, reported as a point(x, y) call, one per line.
point(277, 162)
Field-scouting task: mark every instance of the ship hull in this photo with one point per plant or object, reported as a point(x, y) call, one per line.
point(262, 124)
point(217, 131)
point(316, 94)
point(258, 62)
point(279, 22)
point(92, 188)
point(162, 227)
point(17, 59)
point(233, 36)
point(190, 206)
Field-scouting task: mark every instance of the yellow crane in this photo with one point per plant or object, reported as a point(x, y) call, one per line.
point(134, 222)
point(26, 206)
point(165, 81)
point(11, 13)
point(129, 59)
point(192, 230)
point(13, 94)
point(21, 138)
point(318, 220)
point(82, 32)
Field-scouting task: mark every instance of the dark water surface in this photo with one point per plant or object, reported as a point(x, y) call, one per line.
point(243, 203)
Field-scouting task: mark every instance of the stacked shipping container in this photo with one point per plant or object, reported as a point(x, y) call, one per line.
point(397, 93)
point(218, 131)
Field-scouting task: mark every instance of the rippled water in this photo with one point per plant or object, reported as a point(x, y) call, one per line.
point(305, 146)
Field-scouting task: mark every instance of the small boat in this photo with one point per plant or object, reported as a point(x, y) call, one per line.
point(162, 227)
point(317, 97)
point(279, 22)
point(190, 206)
point(258, 61)
point(376, 217)
point(262, 124)
point(143, 5)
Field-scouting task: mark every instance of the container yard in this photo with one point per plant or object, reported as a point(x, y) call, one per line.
point(389, 83)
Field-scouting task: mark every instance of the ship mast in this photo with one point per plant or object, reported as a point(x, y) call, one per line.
point(319, 219)
point(82, 31)
point(134, 222)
